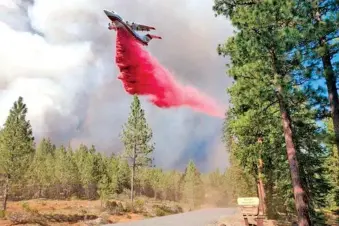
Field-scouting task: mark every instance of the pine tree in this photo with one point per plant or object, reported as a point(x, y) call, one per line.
point(332, 165)
point(136, 137)
point(156, 179)
point(193, 186)
point(174, 185)
point(318, 22)
point(266, 80)
point(238, 183)
point(85, 161)
point(104, 188)
point(16, 146)
point(112, 168)
point(42, 168)
point(66, 172)
point(124, 175)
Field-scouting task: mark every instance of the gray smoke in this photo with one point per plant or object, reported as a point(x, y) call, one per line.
point(59, 55)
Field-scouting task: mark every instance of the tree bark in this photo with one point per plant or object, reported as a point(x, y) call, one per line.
point(132, 177)
point(5, 198)
point(301, 201)
point(261, 189)
point(331, 83)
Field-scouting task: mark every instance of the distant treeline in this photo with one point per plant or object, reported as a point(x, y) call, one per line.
point(43, 170)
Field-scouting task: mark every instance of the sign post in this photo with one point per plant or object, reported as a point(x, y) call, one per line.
point(249, 207)
point(261, 190)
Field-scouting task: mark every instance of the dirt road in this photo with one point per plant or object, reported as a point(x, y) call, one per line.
point(195, 218)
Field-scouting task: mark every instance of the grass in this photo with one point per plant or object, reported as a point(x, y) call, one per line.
point(111, 211)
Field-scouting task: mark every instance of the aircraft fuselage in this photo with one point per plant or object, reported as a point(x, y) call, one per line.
point(119, 23)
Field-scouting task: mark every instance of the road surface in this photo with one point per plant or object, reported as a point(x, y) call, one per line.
point(193, 218)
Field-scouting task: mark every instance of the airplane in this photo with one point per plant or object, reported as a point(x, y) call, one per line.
point(118, 22)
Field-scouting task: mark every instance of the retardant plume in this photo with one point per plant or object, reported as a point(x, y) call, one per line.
point(142, 74)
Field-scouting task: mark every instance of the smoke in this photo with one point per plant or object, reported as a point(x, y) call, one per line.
point(58, 56)
point(142, 74)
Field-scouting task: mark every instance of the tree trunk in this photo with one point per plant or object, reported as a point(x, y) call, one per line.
point(270, 189)
point(261, 189)
point(301, 201)
point(4, 202)
point(331, 82)
point(132, 177)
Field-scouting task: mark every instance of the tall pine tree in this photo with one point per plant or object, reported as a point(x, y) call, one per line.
point(41, 172)
point(332, 165)
point(193, 190)
point(16, 146)
point(137, 139)
point(318, 22)
point(264, 70)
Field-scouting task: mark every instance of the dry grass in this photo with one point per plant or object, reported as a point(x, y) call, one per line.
point(74, 210)
point(66, 208)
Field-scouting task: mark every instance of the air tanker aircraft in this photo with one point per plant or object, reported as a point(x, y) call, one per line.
point(119, 23)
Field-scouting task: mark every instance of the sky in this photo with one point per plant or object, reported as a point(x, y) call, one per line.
point(59, 56)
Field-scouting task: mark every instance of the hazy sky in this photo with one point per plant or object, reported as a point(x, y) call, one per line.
point(59, 55)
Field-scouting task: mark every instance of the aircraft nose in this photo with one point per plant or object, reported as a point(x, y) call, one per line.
point(106, 12)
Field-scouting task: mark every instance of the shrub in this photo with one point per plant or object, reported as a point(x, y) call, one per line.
point(111, 205)
point(26, 206)
point(114, 208)
point(128, 207)
point(2, 214)
point(177, 209)
point(159, 212)
point(28, 209)
point(139, 206)
point(162, 210)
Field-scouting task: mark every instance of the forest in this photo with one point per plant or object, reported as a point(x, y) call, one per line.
point(284, 62)
point(283, 111)
point(41, 170)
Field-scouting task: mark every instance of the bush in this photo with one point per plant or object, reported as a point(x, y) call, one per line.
point(128, 207)
point(28, 209)
point(163, 210)
point(120, 208)
point(139, 206)
point(111, 205)
point(74, 197)
point(26, 206)
point(2, 214)
point(114, 208)
point(159, 212)
point(178, 209)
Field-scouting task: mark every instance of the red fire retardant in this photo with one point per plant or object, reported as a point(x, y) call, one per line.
point(142, 74)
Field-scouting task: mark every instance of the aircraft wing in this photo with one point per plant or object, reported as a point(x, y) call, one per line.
point(141, 27)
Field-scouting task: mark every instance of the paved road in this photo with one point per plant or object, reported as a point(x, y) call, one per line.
point(194, 218)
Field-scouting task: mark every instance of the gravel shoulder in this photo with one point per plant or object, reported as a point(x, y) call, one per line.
point(202, 217)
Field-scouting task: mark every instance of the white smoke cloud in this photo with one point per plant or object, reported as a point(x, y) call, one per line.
point(59, 55)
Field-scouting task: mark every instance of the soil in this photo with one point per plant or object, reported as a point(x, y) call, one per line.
point(71, 207)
